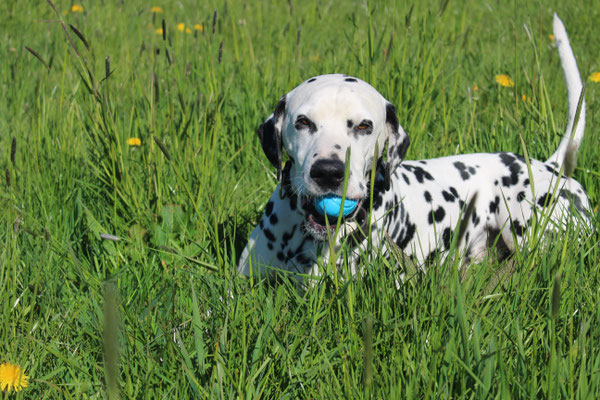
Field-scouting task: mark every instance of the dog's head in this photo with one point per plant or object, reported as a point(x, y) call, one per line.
point(316, 123)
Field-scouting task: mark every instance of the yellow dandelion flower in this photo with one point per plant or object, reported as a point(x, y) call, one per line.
point(475, 88)
point(77, 8)
point(12, 377)
point(504, 80)
point(188, 30)
point(551, 37)
point(595, 77)
point(134, 141)
point(158, 31)
point(156, 10)
point(181, 27)
point(523, 97)
point(199, 27)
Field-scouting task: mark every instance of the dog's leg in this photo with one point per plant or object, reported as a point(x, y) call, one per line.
point(278, 242)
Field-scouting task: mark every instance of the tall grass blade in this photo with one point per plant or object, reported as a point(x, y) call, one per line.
point(111, 340)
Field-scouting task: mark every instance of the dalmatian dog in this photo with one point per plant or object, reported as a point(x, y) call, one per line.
point(415, 204)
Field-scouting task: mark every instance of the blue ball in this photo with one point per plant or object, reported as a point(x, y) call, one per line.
point(331, 204)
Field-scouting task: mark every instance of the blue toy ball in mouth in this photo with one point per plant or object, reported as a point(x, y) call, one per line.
point(331, 204)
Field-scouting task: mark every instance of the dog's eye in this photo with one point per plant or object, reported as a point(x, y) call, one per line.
point(364, 127)
point(302, 122)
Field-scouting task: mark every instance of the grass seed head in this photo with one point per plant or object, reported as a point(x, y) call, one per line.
point(13, 150)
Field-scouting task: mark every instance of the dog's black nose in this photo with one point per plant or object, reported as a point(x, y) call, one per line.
point(328, 174)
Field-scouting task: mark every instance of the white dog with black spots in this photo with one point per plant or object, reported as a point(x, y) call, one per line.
point(416, 204)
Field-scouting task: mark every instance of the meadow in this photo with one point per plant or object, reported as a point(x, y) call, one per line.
point(132, 177)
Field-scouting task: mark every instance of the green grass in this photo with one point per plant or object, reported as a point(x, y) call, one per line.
point(186, 325)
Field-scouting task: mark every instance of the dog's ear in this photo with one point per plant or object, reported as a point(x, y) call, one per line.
point(398, 142)
point(269, 134)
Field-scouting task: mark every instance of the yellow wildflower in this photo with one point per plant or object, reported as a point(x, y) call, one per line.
point(551, 37)
point(504, 80)
point(156, 10)
point(158, 31)
point(188, 30)
point(595, 77)
point(199, 27)
point(181, 27)
point(134, 141)
point(77, 8)
point(11, 377)
point(475, 88)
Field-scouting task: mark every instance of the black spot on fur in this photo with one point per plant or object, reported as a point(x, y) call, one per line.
point(261, 224)
point(337, 146)
point(495, 205)
point(475, 219)
point(281, 256)
point(395, 232)
point(544, 199)
point(551, 170)
point(285, 238)
point(419, 172)
point(526, 182)
point(269, 234)
point(574, 199)
point(293, 202)
point(270, 246)
point(447, 238)
point(312, 80)
point(437, 215)
point(427, 196)
point(350, 80)
point(519, 229)
point(406, 179)
point(462, 169)
point(407, 236)
point(349, 124)
point(449, 197)
point(273, 220)
point(520, 196)
point(513, 163)
point(269, 208)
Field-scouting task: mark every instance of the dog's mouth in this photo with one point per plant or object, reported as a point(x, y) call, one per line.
point(316, 223)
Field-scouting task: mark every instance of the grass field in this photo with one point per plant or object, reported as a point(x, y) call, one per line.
point(161, 313)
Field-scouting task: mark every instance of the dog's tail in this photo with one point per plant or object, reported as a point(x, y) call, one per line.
point(570, 142)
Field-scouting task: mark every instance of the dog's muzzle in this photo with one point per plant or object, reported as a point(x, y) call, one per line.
point(316, 224)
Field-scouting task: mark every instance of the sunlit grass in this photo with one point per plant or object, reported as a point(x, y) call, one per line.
point(132, 176)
